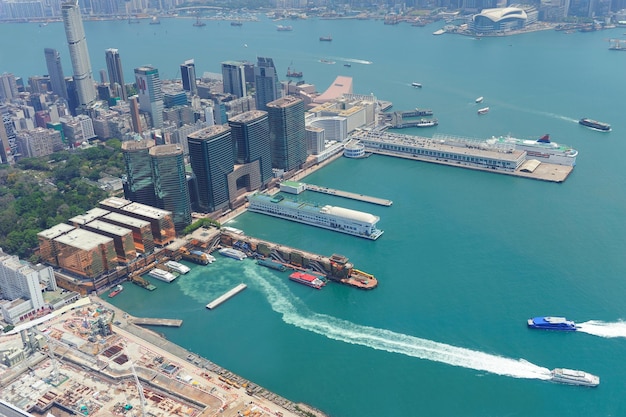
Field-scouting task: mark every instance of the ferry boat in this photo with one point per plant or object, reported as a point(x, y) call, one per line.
point(307, 279)
point(338, 219)
point(347, 65)
point(417, 85)
point(177, 267)
point(268, 263)
point(484, 110)
point(118, 289)
point(541, 149)
point(162, 275)
point(327, 61)
point(233, 253)
point(326, 38)
point(426, 123)
point(552, 323)
point(480, 99)
point(236, 23)
point(198, 257)
point(594, 124)
point(282, 28)
point(574, 377)
point(439, 32)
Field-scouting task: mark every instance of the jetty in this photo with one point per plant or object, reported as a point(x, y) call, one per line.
point(231, 293)
point(350, 195)
point(147, 321)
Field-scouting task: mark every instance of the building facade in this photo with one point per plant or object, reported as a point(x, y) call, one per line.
point(55, 72)
point(287, 133)
point(234, 78)
point(138, 185)
point(266, 82)
point(188, 76)
point(150, 94)
point(116, 73)
point(251, 138)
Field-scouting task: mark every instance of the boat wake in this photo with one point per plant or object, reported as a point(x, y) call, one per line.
point(354, 60)
point(602, 329)
point(294, 312)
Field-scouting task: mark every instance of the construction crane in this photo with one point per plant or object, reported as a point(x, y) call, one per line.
point(142, 398)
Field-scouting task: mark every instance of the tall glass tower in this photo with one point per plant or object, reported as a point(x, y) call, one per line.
point(266, 82)
point(212, 159)
point(138, 185)
point(170, 183)
point(150, 93)
point(188, 76)
point(77, 43)
point(234, 78)
point(55, 71)
point(287, 132)
point(251, 135)
point(116, 74)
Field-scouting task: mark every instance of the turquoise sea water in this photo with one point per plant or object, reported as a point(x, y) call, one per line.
point(466, 258)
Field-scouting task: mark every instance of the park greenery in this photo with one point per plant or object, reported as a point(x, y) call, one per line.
point(38, 193)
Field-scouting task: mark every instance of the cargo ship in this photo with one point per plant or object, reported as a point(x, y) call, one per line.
point(552, 323)
point(596, 125)
point(307, 279)
point(162, 275)
point(233, 253)
point(338, 219)
point(118, 289)
point(542, 149)
point(177, 267)
point(272, 265)
point(574, 377)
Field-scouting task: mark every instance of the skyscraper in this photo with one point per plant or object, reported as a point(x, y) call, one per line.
point(266, 82)
point(55, 72)
point(233, 78)
point(77, 43)
point(134, 114)
point(251, 136)
point(211, 156)
point(170, 183)
point(8, 86)
point(287, 132)
point(138, 185)
point(150, 93)
point(188, 75)
point(116, 74)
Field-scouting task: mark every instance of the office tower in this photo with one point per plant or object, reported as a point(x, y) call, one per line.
point(103, 77)
point(150, 93)
point(134, 114)
point(212, 159)
point(77, 43)
point(55, 72)
point(116, 74)
point(9, 133)
point(6, 155)
point(170, 183)
point(287, 132)
point(8, 86)
point(266, 82)
point(251, 136)
point(233, 78)
point(138, 184)
point(188, 75)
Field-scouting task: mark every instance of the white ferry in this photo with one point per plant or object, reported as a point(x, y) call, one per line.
point(338, 219)
point(574, 377)
point(233, 253)
point(162, 275)
point(541, 149)
point(177, 267)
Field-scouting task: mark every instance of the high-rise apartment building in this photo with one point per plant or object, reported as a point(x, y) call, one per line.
point(170, 183)
point(287, 132)
point(79, 54)
point(116, 74)
point(234, 78)
point(212, 159)
point(150, 94)
point(8, 86)
point(251, 136)
point(188, 76)
point(138, 185)
point(266, 83)
point(55, 72)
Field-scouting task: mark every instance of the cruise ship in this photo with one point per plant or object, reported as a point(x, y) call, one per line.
point(552, 323)
point(541, 149)
point(233, 253)
point(338, 219)
point(574, 377)
point(307, 279)
point(162, 275)
point(177, 267)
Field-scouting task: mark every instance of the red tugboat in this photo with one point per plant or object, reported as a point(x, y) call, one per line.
point(118, 289)
point(307, 279)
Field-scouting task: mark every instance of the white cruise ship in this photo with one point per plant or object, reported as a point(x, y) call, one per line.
point(162, 275)
point(541, 149)
point(177, 267)
point(338, 219)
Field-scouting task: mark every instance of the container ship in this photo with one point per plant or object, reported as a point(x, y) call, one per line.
point(118, 289)
point(552, 323)
point(233, 253)
point(307, 279)
point(594, 124)
point(272, 265)
point(162, 275)
point(574, 377)
point(177, 267)
point(338, 219)
point(542, 149)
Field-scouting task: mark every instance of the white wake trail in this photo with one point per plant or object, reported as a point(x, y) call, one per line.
point(603, 329)
point(295, 313)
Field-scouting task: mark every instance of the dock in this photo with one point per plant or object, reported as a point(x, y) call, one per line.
point(347, 194)
point(146, 321)
point(219, 300)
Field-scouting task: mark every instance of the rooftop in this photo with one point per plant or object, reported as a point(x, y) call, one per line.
point(83, 239)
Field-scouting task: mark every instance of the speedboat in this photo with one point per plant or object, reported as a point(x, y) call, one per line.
point(418, 85)
point(574, 377)
point(551, 323)
point(480, 99)
point(484, 110)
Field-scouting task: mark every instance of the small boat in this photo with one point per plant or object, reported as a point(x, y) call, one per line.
point(233, 253)
point(327, 61)
point(155, 21)
point(551, 323)
point(307, 279)
point(293, 74)
point(162, 275)
point(347, 65)
point(326, 38)
point(594, 124)
point(236, 23)
point(118, 289)
point(574, 377)
point(268, 263)
point(484, 110)
point(480, 99)
point(282, 28)
point(417, 85)
point(199, 23)
point(439, 32)
point(177, 267)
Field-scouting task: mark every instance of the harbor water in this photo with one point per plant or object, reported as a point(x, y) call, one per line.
point(466, 258)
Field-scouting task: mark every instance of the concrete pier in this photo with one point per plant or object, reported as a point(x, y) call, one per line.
point(147, 321)
point(347, 194)
point(219, 300)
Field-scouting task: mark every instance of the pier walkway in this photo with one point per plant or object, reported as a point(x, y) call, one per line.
point(231, 293)
point(146, 321)
point(347, 194)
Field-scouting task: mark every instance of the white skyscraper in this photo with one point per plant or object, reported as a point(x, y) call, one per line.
point(150, 93)
point(77, 43)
